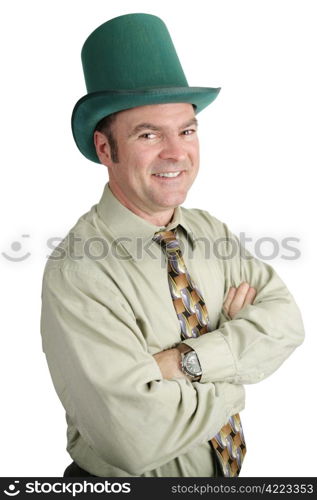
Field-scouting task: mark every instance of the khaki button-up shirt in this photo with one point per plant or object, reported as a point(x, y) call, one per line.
point(107, 308)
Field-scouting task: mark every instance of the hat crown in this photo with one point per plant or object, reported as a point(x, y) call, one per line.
point(129, 52)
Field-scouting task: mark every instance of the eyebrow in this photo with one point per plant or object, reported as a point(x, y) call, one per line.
point(150, 126)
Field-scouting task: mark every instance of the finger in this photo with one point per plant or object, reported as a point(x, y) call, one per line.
point(250, 296)
point(239, 298)
point(229, 299)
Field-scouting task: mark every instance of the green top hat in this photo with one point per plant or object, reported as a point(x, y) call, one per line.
point(130, 61)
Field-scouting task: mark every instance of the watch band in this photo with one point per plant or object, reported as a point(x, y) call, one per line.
point(183, 348)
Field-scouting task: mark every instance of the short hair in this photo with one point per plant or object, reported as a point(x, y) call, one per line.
point(105, 127)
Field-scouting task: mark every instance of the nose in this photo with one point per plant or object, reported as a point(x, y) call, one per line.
point(173, 149)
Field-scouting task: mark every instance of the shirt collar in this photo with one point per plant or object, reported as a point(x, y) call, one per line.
point(126, 226)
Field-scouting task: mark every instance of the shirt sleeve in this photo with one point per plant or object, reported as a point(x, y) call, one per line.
point(260, 337)
point(111, 386)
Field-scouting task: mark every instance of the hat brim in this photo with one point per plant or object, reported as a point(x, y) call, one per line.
point(91, 108)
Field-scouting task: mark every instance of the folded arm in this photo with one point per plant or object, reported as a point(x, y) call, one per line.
point(169, 361)
point(111, 386)
point(252, 345)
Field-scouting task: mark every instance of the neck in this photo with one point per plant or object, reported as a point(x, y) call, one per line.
point(157, 218)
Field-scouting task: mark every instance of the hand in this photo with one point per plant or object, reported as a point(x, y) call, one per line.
point(238, 298)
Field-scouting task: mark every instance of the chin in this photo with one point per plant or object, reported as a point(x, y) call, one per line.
point(172, 202)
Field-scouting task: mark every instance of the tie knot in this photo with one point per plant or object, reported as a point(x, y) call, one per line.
point(168, 240)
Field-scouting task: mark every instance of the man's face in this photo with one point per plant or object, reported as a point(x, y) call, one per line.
point(152, 140)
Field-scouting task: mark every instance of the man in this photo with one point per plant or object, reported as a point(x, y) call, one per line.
point(153, 317)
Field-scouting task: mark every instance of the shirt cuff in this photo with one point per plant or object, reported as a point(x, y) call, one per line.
point(215, 358)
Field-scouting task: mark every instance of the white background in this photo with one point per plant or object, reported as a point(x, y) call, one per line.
point(258, 162)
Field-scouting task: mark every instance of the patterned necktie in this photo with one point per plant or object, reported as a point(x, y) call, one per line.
point(228, 443)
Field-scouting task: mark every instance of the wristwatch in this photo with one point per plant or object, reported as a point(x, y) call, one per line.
point(189, 362)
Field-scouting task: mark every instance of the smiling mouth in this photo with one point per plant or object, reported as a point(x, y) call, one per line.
point(168, 174)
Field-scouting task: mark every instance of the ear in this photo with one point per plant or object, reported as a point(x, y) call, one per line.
point(102, 148)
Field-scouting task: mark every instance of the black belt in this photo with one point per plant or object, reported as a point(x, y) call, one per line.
point(73, 470)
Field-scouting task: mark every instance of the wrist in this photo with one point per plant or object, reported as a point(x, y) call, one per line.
point(189, 362)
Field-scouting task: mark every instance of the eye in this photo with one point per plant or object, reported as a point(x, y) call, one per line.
point(189, 131)
point(147, 135)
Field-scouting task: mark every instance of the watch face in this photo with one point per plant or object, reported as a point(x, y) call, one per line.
point(191, 364)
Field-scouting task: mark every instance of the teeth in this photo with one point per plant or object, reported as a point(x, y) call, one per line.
point(168, 174)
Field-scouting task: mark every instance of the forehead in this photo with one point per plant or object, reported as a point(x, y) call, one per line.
point(159, 114)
